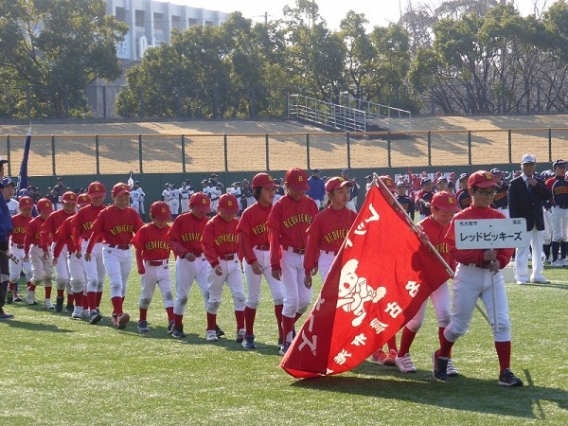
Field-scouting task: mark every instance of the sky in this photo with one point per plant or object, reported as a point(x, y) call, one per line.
point(378, 12)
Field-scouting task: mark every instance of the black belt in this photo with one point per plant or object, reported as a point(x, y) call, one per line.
point(18, 246)
point(125, 247)
point(294, 250)
point(264, 247)
point(231, 256)
point(156, 262)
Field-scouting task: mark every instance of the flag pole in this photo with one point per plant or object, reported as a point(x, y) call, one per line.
point(380, 184)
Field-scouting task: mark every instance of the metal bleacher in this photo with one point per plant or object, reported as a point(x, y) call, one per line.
point(349, 115)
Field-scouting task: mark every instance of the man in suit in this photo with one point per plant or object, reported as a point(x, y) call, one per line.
point(527, 193)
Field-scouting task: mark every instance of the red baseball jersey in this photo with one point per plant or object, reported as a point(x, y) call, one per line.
point(65, 236)
point(152, 242)
point(475, 256)
point(33, 233)
point(186, 234)
point(288, 222)
point(327, 232)
point(83, 222)
point(50, 227)
point(253, 230)
point(220, 238)
point(20, 224)
point(115, 226)
point(437, 235)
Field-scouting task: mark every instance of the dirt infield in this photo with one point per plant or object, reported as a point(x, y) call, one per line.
point(248, 146)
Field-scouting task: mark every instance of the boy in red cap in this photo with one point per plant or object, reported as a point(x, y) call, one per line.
point(185, 236)
point(255, 248)
point(42, 269)
point(435, 227)
point(221, 246)
point(153, 263)
point(473, 279)
point(116, 225)
point(49, 239)
point(288, 221)
point(328, 230)
point(17, 240)
point(94, 269)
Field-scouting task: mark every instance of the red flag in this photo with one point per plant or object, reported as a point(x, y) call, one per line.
point(378, 281)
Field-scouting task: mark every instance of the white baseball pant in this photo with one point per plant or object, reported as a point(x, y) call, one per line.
point(324, 263)
point(547, 233)
point(471, 283)
point(62, 274)
point(559, 224)
point(42, 270)
point(186, 272)
point(17, 268)
point(232, 275)
point(441, 301)
point(184, 205)
point(174, 207)
point(297, 297)
point(94, 269)
point(160, 276)
point(254, 281)
point(522, 258)
point(117, 265)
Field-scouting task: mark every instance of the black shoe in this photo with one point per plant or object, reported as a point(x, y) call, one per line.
point(171, 325)
point(59, 304)
point(70, 308)
point(178, 332)
point(440, 367)
point(507, 378)
point(9, 297)
point(95, 317)
point(218, 331)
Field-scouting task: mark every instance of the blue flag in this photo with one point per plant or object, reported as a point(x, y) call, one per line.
point(23, 176)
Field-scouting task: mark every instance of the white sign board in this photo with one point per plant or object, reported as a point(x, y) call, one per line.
point(491, 233)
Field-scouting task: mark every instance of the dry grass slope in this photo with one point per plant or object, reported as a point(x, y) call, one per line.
point(75, 147)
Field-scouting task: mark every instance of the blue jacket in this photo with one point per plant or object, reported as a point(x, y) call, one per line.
point(6, 226)
point(317, 188)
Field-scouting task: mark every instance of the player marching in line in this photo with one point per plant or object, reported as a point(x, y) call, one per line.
point(49, 239)
point(478, 275)
point(255, 249)
point(94, 269)
point(153, 263)
point(462, 194)
point(404, 200)
point(424, 196)
point(558, 185)
point(288, 221)
point(17, 241)
point(220, 246)
point(42, 269)
point(116, 226)
point(434, 228)
point(501, 200)
point(328, 230)
point(186, 236)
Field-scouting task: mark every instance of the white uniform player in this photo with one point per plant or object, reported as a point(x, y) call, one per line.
point(174, 203)
point(17, 240)
point(135, 199)
point(185, 193)
point(215, 193)
point(167, 194)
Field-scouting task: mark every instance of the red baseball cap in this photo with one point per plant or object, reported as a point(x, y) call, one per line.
point(263, 180)
point(337, 182)
point(69, 198)
point(26, 202)
point(160, 211)
point(389, 182)
point(200, 202)
point(445, 201)
point(83, 200)
point(96, 189)
point(297, 179)
point(228, 204)
point(120, 189)
point(482, 179)
point(44, 205)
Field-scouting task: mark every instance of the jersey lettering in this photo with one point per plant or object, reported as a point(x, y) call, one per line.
point(296, 219)
point(192, 236)
point(259, 229)
point(226, 238)
point(153, 245)
point(19, 230)
point(122, 228)
point(338, 234)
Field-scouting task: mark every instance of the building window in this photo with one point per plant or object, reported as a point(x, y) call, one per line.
point(208, 23)
point(120, 14)
point(176, 22)
point(192, 22)
point(139, 18)
point(158, 21)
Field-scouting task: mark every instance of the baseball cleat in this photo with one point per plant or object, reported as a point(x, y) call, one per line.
point(507, 378)
point(59, 304)
point(95, 316)
point(211, 336)
point(171, 325)
point(390, 359)
point(122, 321)
point(451, 369)
point(77, 313)
point(143, 327)
point(178, 333)
point(218, 331)
point(540, 280)
point(17, 297)
point(240, 335)
point(405, 364)
point(285, 348)
point(440, 370)
point(30, 297)
point(70, 308)
point(48, 305)
point(248, 342)
point(85, 314)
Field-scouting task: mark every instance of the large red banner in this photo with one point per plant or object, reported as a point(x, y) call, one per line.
point(377, 283)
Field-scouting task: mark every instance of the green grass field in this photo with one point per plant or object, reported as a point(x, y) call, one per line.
point(57, 371)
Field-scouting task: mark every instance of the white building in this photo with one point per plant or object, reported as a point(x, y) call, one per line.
point(151, 22)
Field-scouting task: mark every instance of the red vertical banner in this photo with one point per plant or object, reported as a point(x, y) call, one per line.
point(376, 284)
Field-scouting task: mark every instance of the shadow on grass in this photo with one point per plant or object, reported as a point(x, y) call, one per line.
point(460, 393)
point(551, 285)
point(14, 323)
